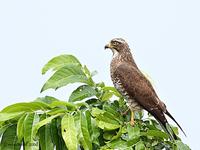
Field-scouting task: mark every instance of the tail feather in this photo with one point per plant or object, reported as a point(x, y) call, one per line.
point(166, 126)
point(168, 114)
point(170, 130)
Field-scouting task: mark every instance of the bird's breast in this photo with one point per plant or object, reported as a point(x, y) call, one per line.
point(131, 102)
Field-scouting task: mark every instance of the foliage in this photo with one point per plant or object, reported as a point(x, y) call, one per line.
point(91, 118)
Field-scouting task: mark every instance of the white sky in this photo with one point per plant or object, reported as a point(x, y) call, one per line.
point(164, 37)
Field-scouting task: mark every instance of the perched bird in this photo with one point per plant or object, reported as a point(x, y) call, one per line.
point(135, 87)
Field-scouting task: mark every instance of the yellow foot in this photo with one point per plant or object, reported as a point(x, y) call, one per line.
point(132, 122)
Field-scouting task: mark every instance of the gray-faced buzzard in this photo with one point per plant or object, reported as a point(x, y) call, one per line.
point(134, 86)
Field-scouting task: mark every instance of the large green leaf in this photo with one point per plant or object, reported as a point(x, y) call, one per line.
point(82, 92)
point(118, 135)
point(30, 120)
point(105, 120)
point(89, 121)
point(105, 116)
point(45, 140)
point(97, 111)
point(63, 104)
point(181, 146)
point(69, 132)
point(54, 134)
point(20, 127)
point(42, 123)
point(59, 62)
point(140, 146)
point(47, 99)
point(107, 126)
point(85, 132)
point(4, 127)
point(106, 96)
point(9, 139)
point(55, 111)
point(68, 74)
point(8, 116)
point(112, 90)
point(60, 141)
point(113, 111)
point(95, 132)
point(116, 144)
point(26, 107)
point(133, 132)
point(156, 133)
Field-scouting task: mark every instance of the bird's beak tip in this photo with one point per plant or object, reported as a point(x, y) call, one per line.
point(107, 46)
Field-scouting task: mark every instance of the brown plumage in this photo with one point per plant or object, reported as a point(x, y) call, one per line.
point(134, 86)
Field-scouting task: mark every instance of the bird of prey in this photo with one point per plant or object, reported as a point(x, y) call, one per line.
point(135, 87)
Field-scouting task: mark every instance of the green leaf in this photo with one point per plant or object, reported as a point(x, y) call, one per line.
point(86, 71)
point(175, 130)
point(55, 111)
point(181, 146)
point(108, 135)
point(95, 132)
point(42, 123)
point(54, 134)
point(139, 114)
point(112, 90)
point(132, 142)
point(68, 74)
point(63, 104)
point(113, 111)
point(47, 99)
point(106, 96)
point(4, 127)
point(30, 120)
point(133, 132)
point(96, 111)
point(8, 116)
point(107, 126)
point(119, 133)
point(82, 92)
point(9, 139)
point(69, 133)
point(45, 136)
point(26, 107)
point(89, 121)
point(94, 73)
point(105, 120)
point(117, 144)
point(59, 62)
point(20, 127)
point(140, 146)
point(88, 74)
point(85, 132)
point(156, 133)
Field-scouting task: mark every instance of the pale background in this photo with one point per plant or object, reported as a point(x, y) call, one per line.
point(164, 37)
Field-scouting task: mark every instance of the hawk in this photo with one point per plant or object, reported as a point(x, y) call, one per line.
point(135, 87)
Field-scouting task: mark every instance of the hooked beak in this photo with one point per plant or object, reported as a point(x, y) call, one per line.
point(107, 46)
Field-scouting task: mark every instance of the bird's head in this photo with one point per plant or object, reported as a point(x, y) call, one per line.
point(117, 45)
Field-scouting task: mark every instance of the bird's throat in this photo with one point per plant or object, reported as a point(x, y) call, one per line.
point(115, 53)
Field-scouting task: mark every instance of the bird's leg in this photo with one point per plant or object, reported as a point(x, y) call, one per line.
point(132, 118)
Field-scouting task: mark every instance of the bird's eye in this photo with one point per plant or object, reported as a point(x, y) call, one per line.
point(115, 43)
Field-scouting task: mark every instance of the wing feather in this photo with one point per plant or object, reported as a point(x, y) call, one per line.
point(138, 87)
